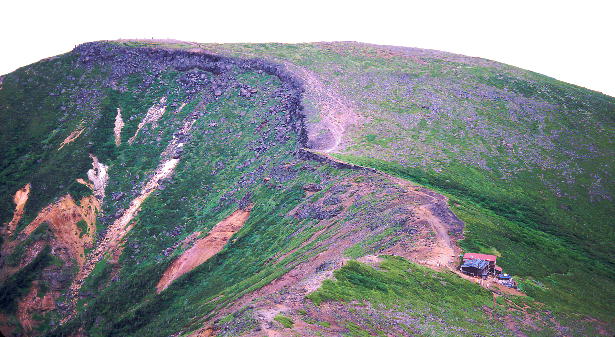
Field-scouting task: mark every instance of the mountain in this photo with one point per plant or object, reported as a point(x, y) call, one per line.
point(166, 188)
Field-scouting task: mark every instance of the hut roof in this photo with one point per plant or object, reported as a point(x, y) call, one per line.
point(486, 257)
point(475, 263)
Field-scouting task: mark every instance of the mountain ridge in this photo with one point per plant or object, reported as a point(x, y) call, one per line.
point(234, 109)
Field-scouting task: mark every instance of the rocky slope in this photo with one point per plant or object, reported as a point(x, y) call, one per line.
point(177, 189)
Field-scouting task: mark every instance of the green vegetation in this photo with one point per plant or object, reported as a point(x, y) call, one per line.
point(41, 233)
point(83, 228)
point(525, 160)
point(284, 320)
point(401, 297)
point(410, 289)
point(218, 169)
point(34, 119)
point(372, 244)
point(323, 324)
point(18, 284)
point(574, 278)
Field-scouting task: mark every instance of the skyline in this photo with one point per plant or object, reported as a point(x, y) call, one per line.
point(561, 39)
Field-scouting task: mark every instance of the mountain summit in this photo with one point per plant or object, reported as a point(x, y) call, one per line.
point(166, 188)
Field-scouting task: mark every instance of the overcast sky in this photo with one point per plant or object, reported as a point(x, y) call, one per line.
point(570, 40)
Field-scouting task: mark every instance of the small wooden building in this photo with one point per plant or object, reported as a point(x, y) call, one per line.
point(490, 259)
point(475, 267)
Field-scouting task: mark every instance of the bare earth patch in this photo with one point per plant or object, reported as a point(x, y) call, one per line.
point(63, 217)
point(203, 249)
point(71, 138)
point(429, 243)
point(335, 116)
point(20, 199)
point(35, 303)
point(117, 129)
point(151, 117)
point(99, 177)
point(112, 242)
point(117, 231)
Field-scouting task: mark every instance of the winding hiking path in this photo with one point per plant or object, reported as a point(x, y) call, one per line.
point(335, 111)
point(336, 116)
point(443, 253)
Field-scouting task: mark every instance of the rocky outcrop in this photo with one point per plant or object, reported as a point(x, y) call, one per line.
point(151, 117)
point(117, 129)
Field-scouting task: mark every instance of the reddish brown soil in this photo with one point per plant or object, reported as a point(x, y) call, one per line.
point(67, 241)
point(490, 284)
point(112, 243)
point(71, 138)
point(32, 303)
point(203, 249)
point(430, 245)
point(62, 218)
point(20, 199)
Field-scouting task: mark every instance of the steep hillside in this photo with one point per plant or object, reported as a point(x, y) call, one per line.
point(177, 189)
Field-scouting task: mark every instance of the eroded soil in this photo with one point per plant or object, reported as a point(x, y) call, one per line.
point(20, 199)
point(423, 237)
point(72, 137)
point(112, 243)
point(204, 248)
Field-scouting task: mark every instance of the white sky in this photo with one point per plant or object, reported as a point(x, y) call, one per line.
point(573, 41)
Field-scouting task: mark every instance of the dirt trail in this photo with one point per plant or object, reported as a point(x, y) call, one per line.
point(442, 251)
point(20, 199)
point(117, 129)
point(203, 249)
point(443, 254)
point(151, 117)
point(287, 294)
point(336, 113)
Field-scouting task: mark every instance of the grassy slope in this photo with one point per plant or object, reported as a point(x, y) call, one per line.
point(418, 301)
point(235, 145)
point(527, 158)
point(413, 290)
point(518, 217)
